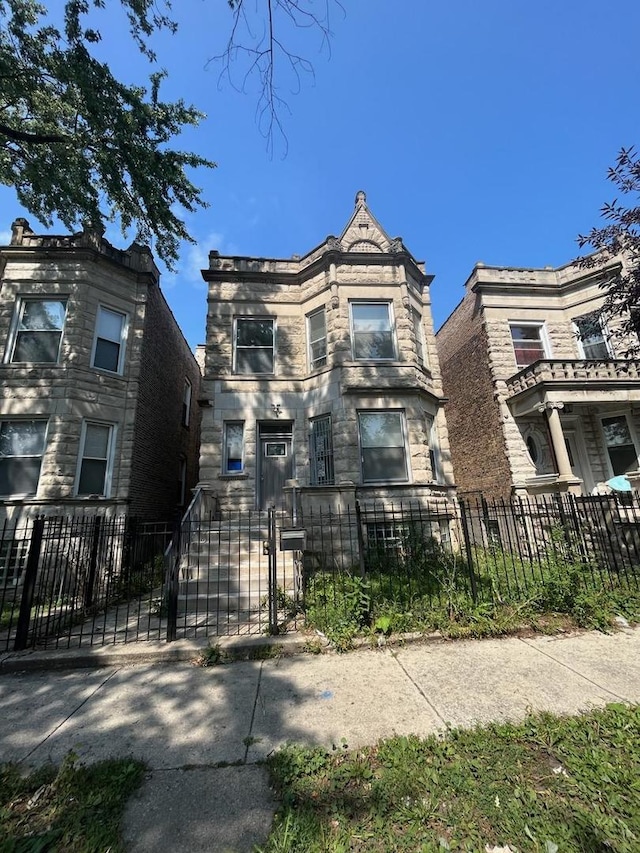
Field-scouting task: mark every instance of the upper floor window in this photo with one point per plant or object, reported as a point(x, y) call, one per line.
point(382, 447)
point(96, 459)
point(321, 451)
point(21, 448)
point(435, 456)
point(592, 339)
point(419, 336)
point(317, 337)
point(254, 345)
point(528, 343)
point(186, 403)
point(108, 346)
point(37, 331)
point(372, 330)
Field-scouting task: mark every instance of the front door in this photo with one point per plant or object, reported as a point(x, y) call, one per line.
point(275, 464)
point(577, 457)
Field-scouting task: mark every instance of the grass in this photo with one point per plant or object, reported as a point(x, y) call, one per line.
point(73, 808)
point(550, 785)
point(428, 589)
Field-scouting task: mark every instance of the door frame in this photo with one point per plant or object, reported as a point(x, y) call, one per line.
point(267, 431)
point(573, 436)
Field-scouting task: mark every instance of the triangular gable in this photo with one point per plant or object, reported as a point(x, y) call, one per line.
point(364, 233)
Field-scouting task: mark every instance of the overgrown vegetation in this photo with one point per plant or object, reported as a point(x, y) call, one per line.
point(550, 785)
point(72, 808)
point(423, 586)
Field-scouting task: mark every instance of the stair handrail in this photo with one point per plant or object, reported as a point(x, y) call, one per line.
point(203, 506)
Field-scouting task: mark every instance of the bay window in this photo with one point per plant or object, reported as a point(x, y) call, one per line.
point(382, 446)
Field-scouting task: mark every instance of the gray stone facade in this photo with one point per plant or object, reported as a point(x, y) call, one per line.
point(119, 425)
point(540, 396)
point(303, 390)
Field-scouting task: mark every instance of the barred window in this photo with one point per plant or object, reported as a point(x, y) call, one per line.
point(322, 473)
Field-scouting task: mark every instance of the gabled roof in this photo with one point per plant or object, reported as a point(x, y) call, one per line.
point(364, 233)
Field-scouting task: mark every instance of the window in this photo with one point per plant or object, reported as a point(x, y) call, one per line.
point(13, 559)
point(95, 463)
point(182, 480)
point(382, 446)
point(620, 445)
point(371, 330)
point(527, 343)
point(275, 448)
point(21, 448)
point(321, 451)
point(386, 536)
point(254, 345)
point(38, 331)
point(435, 457)
point(317, 337)
point(591, 337)
point(186, 403)
point(108, 348)
point(534, 450)
point(233, 461)
point(419, 336)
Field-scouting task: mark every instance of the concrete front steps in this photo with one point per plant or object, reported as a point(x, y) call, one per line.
point(224, 579)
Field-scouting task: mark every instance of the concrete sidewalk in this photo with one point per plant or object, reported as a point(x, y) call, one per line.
point(202, 731)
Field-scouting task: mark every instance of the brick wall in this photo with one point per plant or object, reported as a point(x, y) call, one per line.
point(473, 417)
point(160, 440)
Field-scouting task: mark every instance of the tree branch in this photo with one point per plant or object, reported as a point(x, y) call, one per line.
point(32, 138)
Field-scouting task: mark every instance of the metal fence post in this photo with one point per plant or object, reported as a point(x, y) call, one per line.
point(172, 586)
point(469, 551)
point(361, 562)
point(273, 573)
point(93, 562)
point(29, 586)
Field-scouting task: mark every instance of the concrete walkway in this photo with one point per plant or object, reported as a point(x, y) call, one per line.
point(202, 731)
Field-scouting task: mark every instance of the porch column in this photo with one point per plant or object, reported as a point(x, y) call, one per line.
point(557, 439)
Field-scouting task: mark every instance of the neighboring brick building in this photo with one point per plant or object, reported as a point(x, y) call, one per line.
point(539, 400)
point(98, 390)
point(323, 370)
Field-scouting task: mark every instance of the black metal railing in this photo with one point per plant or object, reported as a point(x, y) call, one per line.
point(80, 580)
point(93, 580)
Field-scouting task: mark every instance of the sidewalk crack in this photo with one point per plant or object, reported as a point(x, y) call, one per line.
point(421, 692)
point(576, 672)
point(68, 717)
point(249, 738)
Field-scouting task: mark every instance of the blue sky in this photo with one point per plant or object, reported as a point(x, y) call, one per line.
point(479, 131)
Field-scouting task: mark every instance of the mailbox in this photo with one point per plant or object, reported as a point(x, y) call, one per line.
point(293, 539)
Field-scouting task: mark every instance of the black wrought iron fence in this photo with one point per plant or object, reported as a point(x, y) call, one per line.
point(80, 580)
point(411, 558)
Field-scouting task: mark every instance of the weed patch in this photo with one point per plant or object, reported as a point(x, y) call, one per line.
point(71, 808)
point(567, 784)
point(425, 587)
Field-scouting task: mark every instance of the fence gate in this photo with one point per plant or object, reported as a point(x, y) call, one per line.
point(231, 576)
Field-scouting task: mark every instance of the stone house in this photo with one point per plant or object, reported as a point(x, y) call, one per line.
point(98, 388)
point(540, 396)
point(321, 373)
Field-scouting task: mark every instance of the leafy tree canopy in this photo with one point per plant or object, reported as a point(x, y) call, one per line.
point(619, 238)
point(78, 144)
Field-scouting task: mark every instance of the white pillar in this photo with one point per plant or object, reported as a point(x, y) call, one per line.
point(557, 439)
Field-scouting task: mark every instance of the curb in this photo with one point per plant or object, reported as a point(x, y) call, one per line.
point(231, 649)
